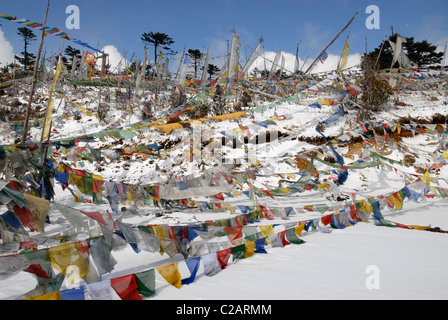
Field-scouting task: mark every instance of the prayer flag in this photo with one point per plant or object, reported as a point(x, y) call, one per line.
point(126, 287)
point(193, 266)
point(344, 56)
point(211, 264)
point(146, 283)
point(49, 112)
point(171, 274)
point(223, 257)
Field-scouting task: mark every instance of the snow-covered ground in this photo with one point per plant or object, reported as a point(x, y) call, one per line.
point(360, 261)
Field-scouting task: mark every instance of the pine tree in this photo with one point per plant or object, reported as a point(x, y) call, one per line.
point(158, 40)
point(28, 36)
point(71, 52)
point(212, 70)
point(196, 56)
point(420, 52)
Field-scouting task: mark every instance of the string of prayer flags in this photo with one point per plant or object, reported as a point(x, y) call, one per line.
point(53, 31)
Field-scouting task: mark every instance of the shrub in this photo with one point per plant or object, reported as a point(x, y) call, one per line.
point(376, 89)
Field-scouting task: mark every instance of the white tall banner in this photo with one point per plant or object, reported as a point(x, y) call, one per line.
point(183, 69)
point(282, 66)
point(275, 63)
point(252, 58)
point(397, 48)
point(205, 71)
point(233, 58)
point(399, 55)
point(139, 74)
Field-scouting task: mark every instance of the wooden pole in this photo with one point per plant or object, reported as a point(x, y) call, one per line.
point(332, 41)
point(33, 84)
point(379, 54)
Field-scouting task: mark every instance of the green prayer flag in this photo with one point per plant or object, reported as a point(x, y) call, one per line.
point(146, 283)
point(238, 252)
point(292, 237)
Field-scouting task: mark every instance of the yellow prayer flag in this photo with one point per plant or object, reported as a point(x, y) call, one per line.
point(291, 176)
point(299, 229)
point(419, 227)
point(160, 233)
point(397, 203)
point(73, 178)
point(49, 296)
point(367, 207)
point(68, 255)
point(267, 231)
point(250, 249)
point(228, 207)
point(344, 56)
point(77, 198)
point(39, 209)
point(171, 274)
point(425, 177)
point(49, 112)
point(433, 190)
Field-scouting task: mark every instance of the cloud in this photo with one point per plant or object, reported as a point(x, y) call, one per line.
point(265, 62)
point(6, 50)
point(116, 60)
point(218, 48)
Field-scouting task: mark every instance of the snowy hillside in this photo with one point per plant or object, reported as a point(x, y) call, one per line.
point(292, 197)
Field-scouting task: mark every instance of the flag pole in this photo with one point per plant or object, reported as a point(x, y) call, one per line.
point(332, 41)
point(379, 54)
point(33, 84)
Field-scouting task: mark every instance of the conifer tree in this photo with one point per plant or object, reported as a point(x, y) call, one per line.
point(158, 40)
point(421, 53)
point(28, 36)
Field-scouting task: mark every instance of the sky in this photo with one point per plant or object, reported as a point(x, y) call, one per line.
point(118, 25)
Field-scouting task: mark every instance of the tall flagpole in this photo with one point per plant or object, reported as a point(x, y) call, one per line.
point(33, 84)
point(332, 41)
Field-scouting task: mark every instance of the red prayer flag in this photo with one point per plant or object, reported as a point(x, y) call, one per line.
point(268, 213)
point(234, 233)
point(223, 257)
point(95, 216)
point(327, 219)
point(219, 196)
point(126, 287)
point(268, 193)
point(26, 217)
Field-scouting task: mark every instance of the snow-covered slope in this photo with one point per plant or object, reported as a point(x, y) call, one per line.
point(367, 199)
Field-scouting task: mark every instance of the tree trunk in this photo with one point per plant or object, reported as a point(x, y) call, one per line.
point(155, 54)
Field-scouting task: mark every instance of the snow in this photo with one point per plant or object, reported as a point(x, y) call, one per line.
point(406, 264)
point(334, 266)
